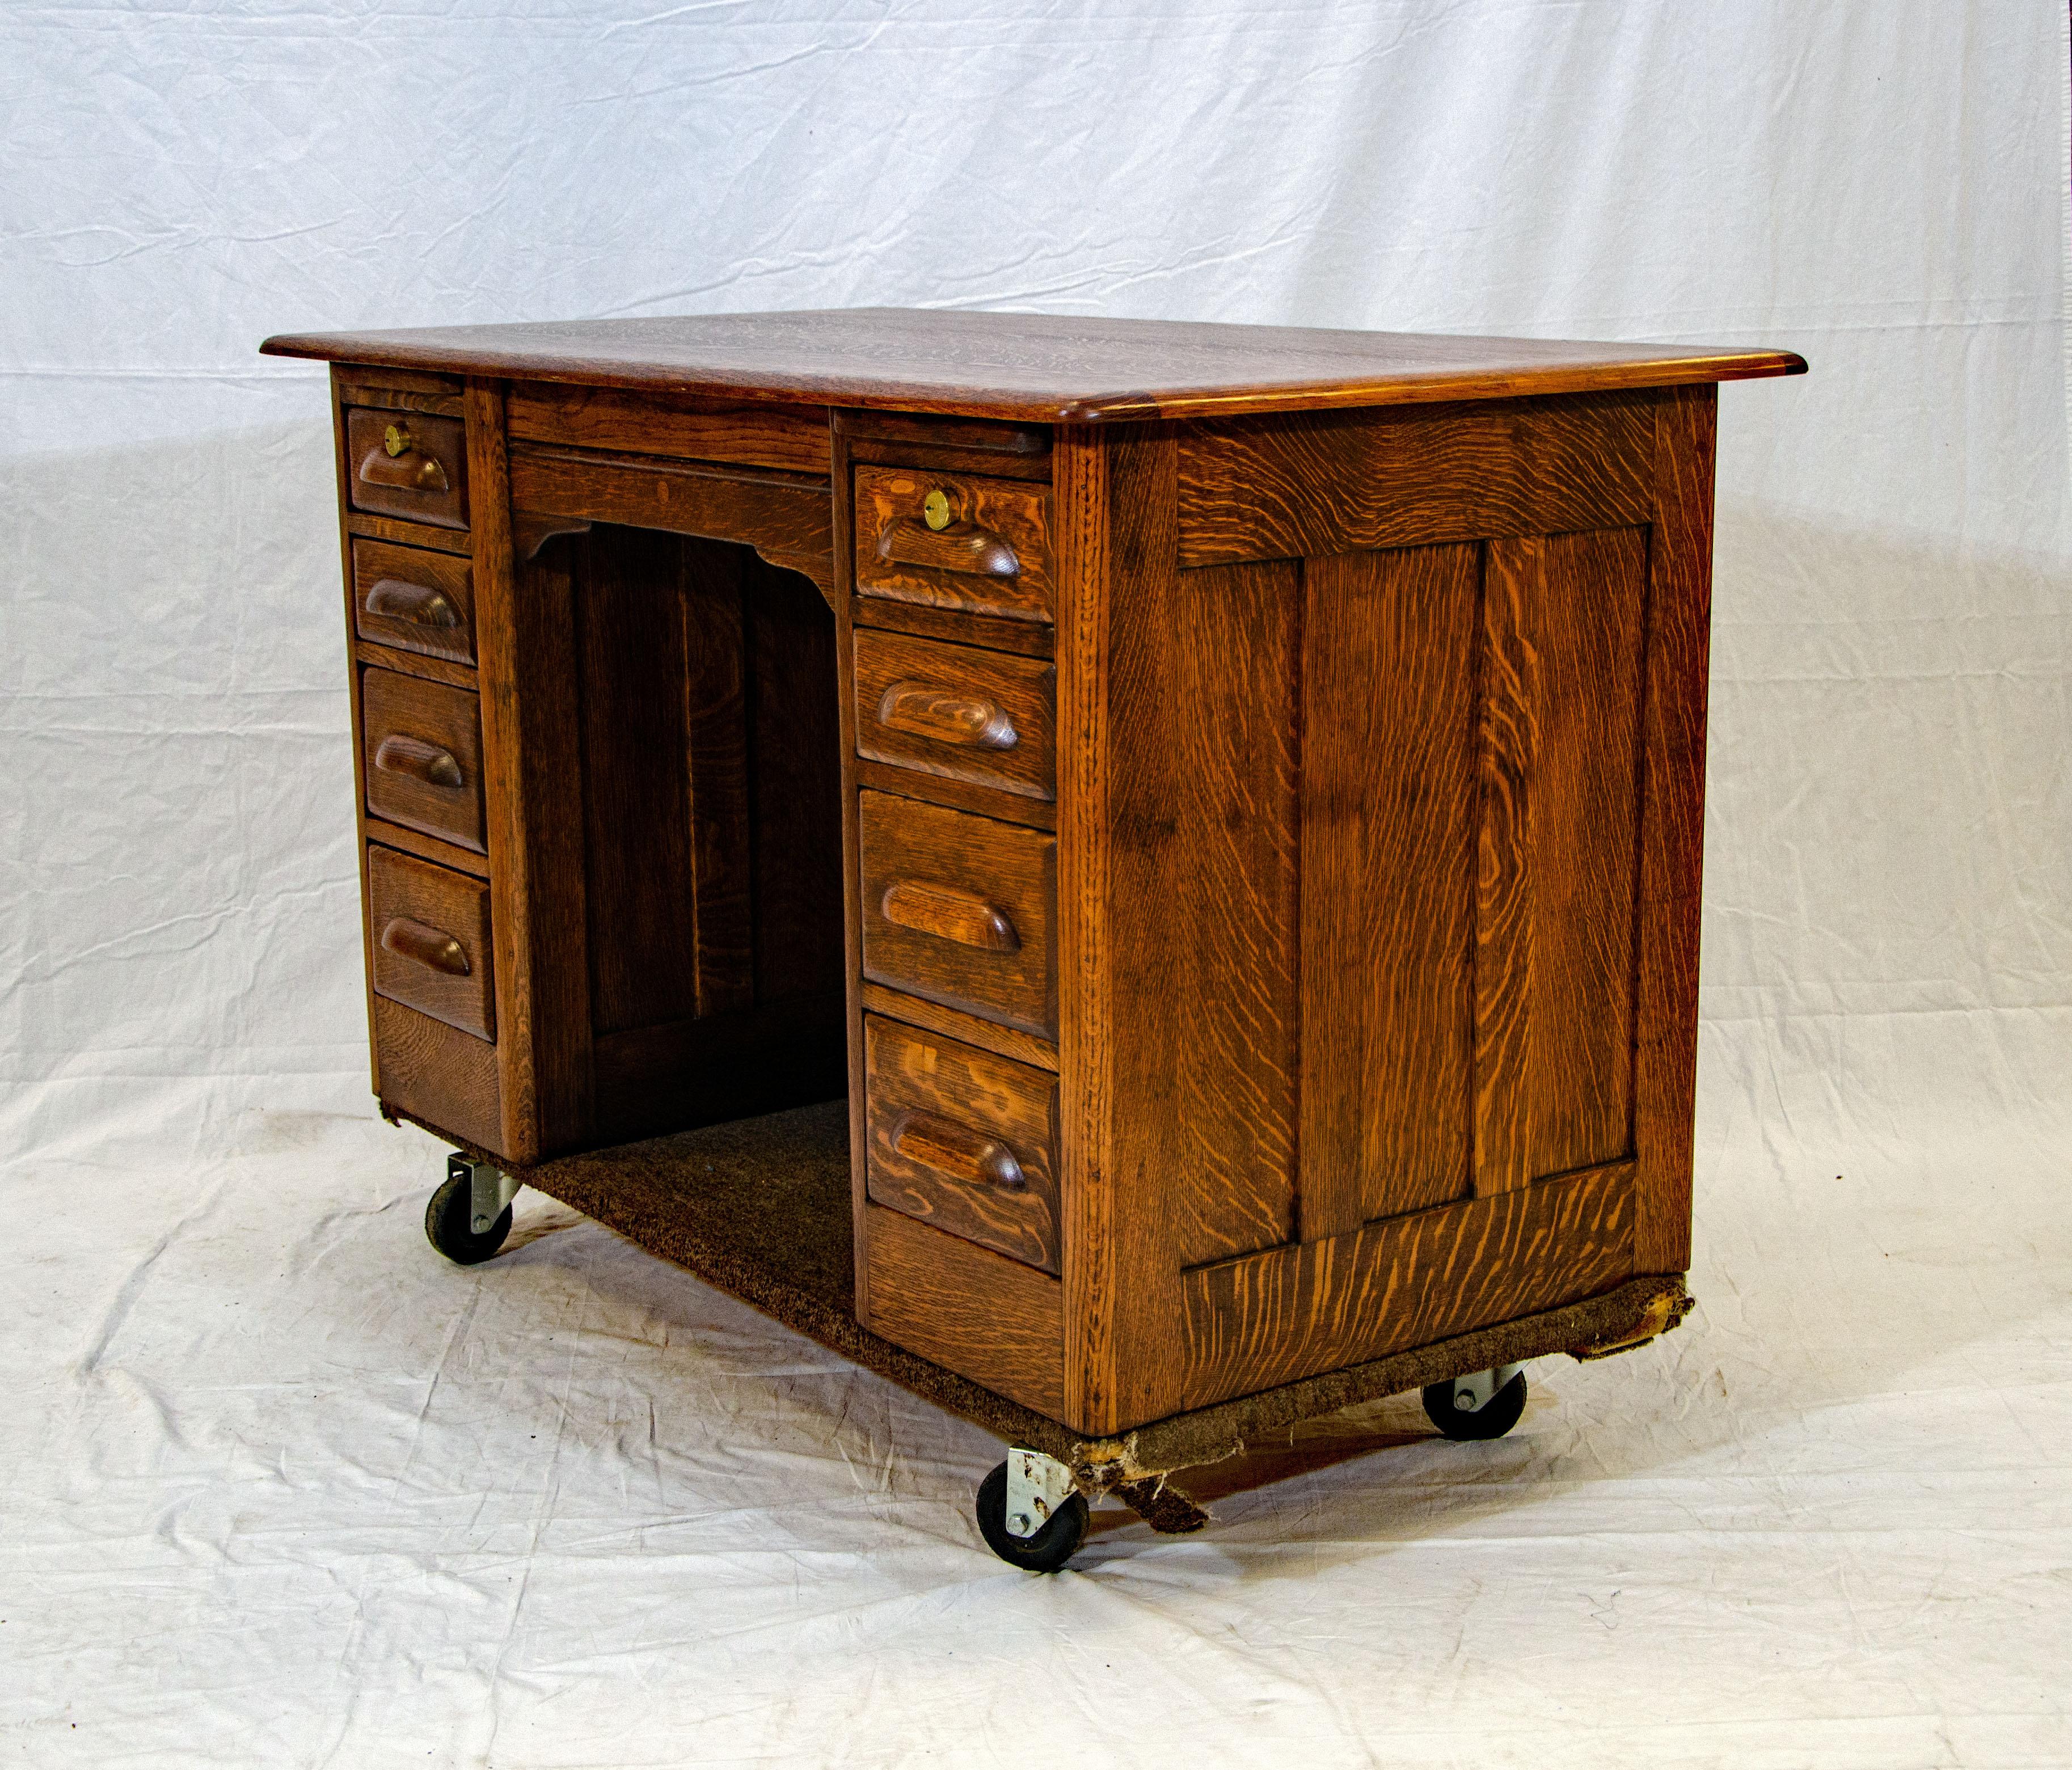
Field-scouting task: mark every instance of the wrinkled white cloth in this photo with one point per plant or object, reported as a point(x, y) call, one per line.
point(283, 1489)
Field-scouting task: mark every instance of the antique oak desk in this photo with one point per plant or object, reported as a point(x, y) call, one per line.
point(1222, 804)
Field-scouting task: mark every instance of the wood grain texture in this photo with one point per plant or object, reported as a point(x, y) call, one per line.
point(954, 626)
point(1087, 500)
point(938, 789)
point(845, 602)
point(1292, 1312)
point(967, 1028)
point(1004, 873)
point(385, 529)
point(1205, 874)
point(785, 517)
point(978, 1313)
point(360, 384)
point(1335, 482)
point(795, 785)
point(716, 698)
point(986, 717)
point(1389, 809)
point(994, 558)
point(1040, 368)
point(438, 1074)
point(422, 748)
point(1020, 451)
point(964, 1140)
point(790, 438)
point(414, 598)
point(427, 484)
point(416, 908)
point(426, 847)
point(346, 518)
point(630, 587)
point(532, 764)
point(1555, 906)
point(1672, 848)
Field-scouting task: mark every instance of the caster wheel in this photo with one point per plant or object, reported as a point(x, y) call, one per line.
point(448, 1226)
point(1495, 1417)
point(1045, 1552)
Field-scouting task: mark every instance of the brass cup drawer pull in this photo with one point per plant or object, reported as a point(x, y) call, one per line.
point(958, 1153)
point(949, 914)
point(967, 548)
point(397, 755)
point(434, 948)
point(398, 464)
point(419, 604)
point(945, 716)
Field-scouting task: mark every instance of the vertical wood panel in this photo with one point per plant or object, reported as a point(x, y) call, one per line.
point(1387, 882)
point(1206, 881)
point(531, 766)
point(1554, 889)
point(795, 740)
point(636, 805)
point(1673, 828)
point(716, 732)
point(1086, 510)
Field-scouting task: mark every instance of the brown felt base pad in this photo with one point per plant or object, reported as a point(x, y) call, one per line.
point(760, 1207)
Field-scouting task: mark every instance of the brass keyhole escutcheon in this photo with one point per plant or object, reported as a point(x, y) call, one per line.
point(397, 440)
point(935, 510)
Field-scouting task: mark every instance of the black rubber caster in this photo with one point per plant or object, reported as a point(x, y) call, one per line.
point(1045, 1552)
point(1492, 1419)
point(448, 1221)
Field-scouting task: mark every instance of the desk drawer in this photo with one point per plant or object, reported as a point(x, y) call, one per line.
point(431, 940)
point(958, 909)
point(408, 464)
point(962, 1140)
point(422, 745)
point(414, 599)
point(987, 717)
point(954, 541)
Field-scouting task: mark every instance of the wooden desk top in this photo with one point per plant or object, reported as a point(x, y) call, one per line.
point(1029, 367)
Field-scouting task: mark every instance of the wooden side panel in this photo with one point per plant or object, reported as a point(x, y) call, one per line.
point(643, 946)
point(1673, 826)
point(1205, 870)
point(715, 695)
point(1388, 846)
point(531, 772)
point(1555, 909)
point(1314, 483)
point(1292, 1312)
point(979, 1314)
point(795, 798)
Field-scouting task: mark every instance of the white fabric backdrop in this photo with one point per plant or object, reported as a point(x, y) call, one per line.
point(246, 1424)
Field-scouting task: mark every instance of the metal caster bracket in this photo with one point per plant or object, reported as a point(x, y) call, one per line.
point(489, 1190)
point(1037, 1486)
point(1474, 1391)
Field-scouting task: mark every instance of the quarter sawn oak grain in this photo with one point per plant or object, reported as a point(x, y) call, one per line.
point(1227, 801)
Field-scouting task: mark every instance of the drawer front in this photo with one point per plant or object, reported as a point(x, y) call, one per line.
point(954, 541)
point(414, 599)
point(987, 717)
point(962, 1140)
point(431, 940)
point(408, 464)
point(958, 908)
point(422, 746)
